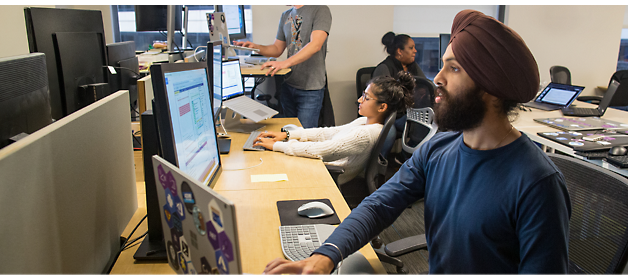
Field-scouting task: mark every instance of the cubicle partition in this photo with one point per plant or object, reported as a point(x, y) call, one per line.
point(67, 192)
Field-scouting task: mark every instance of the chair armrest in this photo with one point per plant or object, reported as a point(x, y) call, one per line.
point(406, 245)
point(592, 99)
point(335, 171)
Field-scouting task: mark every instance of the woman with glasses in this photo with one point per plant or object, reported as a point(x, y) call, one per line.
point(347, 145)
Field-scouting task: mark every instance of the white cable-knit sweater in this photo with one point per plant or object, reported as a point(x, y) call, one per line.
point(348, 146)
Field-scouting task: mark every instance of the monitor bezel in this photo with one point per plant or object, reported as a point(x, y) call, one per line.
point(210, 65)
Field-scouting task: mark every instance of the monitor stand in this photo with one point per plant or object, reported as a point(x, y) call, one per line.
point(151, 251)
point(234, 123)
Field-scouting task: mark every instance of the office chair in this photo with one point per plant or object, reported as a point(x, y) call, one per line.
point(620, 99)
point(598, 228)
point(560, 74)
point(413, 137)
point(374, 170)
point(361, 78)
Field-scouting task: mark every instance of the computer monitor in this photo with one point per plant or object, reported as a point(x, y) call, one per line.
point(232, 84)
point(443, 42)
point(235, 20)
point(214, 62)
point(121, 56)
point(155, 17)
point(73, 41)
point(24, 98)
point(184, 118)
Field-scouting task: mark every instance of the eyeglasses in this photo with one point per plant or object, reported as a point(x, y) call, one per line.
point(366, 97)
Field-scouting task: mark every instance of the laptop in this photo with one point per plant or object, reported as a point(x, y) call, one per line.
point(199, 225)
point(233, 94)
point(555, 96)
point(217, 25)
point(594, 112)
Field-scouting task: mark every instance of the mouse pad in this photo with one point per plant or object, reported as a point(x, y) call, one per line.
point(288, 215)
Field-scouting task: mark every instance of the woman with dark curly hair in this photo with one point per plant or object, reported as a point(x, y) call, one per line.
point(348, 145)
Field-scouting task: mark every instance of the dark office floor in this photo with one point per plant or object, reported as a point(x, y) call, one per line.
point(408, 224)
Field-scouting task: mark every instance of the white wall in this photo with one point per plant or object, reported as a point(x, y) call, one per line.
point(13, 26)
point(353, 43)
point(430, 20)
point(584, 39)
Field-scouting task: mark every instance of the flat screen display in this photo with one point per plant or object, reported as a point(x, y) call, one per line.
point(217, 76)
point(192, 123)
point(231, 79)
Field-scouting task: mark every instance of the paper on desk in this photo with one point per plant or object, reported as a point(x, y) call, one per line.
point(269, 178)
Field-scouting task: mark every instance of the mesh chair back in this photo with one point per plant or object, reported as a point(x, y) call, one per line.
point(423, 93)
point(621, 95)
point(420, 127)
point(598, 228)
point(377, 163)
point(560, 74)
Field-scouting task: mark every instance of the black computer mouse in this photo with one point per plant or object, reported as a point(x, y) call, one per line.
point(618, 151)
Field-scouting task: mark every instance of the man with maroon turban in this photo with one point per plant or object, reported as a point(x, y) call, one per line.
point(494, 202)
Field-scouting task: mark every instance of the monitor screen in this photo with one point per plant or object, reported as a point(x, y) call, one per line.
point(216, 61)
point(155, 17)
point(122, 57)
point(442, 47)
point(231, 79)
point(234, 15)
point(186, 125)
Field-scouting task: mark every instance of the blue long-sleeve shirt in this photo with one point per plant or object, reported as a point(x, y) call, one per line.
point(499, 211)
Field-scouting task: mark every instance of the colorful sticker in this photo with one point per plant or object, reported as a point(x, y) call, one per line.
point(221, 262)
point(550, 133)
point(205, 267)
point(575, 133)
point(176, 223)
point(576, 143)
point(168, 216)
point(188, 197)
point(184, 248)
point(604, 143)
point(176, 236)
point(199, 221)
point(225, 246)
point(172, 255)
point(561, 138)
point(193, 239)
point(212, 235)
point(183, 263)
point(216, 215)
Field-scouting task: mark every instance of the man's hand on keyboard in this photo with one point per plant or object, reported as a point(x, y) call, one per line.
point(276, 136)
point(265, 142)
point(316, 264)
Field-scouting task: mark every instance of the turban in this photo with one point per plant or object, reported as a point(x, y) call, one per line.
point(494, 56)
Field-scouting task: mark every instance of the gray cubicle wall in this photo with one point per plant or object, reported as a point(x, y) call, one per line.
point(68, 191)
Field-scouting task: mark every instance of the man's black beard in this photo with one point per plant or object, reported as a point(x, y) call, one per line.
point(461, 112)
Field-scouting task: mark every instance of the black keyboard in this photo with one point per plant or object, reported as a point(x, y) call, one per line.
point(577, 111)
point(592, 154)
point(619, 161)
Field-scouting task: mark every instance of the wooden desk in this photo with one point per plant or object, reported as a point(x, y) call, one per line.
point(258, 220)
point(525, 123)
point(256, 71)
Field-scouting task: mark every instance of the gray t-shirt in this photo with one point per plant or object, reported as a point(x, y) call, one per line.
point(295, 28)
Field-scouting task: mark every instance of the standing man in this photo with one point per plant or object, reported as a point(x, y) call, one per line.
point(303, 30)
point(494, 202)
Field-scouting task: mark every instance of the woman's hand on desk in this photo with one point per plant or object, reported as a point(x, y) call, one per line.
point(316, 264)
point(276, 136)
point(265, 142)
point(275, 66)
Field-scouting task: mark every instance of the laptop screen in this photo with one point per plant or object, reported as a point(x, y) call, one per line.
point(192, 123)
point(559, 94)
point(232, 85)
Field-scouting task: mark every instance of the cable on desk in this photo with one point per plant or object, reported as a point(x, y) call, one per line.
point(133, 231)
point(132, 243)
point(260, 159)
